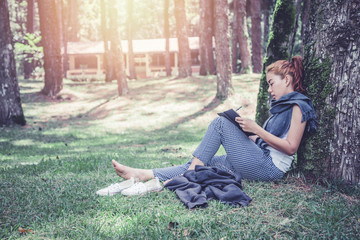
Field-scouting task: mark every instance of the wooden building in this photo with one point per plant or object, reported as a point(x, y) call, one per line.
point(86, 58)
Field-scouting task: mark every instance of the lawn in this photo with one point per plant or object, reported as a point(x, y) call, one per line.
point(51, 168)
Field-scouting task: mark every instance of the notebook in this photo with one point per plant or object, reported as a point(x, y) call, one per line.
point(231, 115)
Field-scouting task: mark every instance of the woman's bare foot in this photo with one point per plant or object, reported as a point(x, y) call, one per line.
point(128, 172)
point(195, 162)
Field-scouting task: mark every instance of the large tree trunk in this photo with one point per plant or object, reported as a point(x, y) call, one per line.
point(49, 27)
point(167, 36)
point(10, 104)
point(116, 54)
point(256, 35)
point(332, 52)
point(202, 42)
point(132, 72)
point(29, 65)
point(65, 23)
point(267, 6)
point(223, 61)
point(277, 49)
point(183, 40)
point(234, 40)
point(245, 58)
point(209, 25)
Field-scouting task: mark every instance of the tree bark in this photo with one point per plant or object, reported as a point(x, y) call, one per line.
point(209, 25)
point(10, 104)
point(73, 20)
point(234, 40)
point(104, 31)
point(256, 35)
point(167, 36)
point(116, 54)
point(29, 66)
point(65, 23)
point(332, 52)
point(132, 72)
point(223, 61)
point(183, 40)
point(49, 27)
point(245, 58)
point(202, 42)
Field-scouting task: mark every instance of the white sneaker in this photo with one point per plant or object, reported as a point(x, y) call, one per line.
point(141, 188)
point(116, 188)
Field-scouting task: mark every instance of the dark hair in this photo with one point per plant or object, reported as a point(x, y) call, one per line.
point(293, 68)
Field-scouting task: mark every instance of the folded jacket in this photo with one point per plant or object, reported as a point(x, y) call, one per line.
point(196, 187)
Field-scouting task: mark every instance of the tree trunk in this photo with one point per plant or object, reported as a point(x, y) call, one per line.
point(277, 49)
point(256, 35)
point(234, 40)
point(29, 66)
point(202, 42)
point(73, 20)
point(267, 9)
point(65, 22)
point(49, 27)
point(223, 61)
point(167, 36)
point(104, 31)
point(183, 40)
point(332, 52)
point(10, 104)
point(132, 72)
point(245, 58)
point(116, 54)
point(209, 25)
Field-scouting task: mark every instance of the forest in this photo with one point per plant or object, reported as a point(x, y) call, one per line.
point(73, 74)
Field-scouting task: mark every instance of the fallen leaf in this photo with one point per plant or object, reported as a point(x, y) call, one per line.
point(173, 225)
point(24, 231)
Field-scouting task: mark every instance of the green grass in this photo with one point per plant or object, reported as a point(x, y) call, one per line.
point(51, 169)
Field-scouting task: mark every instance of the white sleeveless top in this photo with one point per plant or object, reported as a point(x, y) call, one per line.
point(281, 160)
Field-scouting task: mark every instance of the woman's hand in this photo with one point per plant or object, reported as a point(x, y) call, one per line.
point(248, 125)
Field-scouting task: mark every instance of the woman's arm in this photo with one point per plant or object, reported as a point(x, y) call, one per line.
point(288, 145)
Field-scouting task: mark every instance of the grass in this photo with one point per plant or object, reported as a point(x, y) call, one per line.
point(51, 169)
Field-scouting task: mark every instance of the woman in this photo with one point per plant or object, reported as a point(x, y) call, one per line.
point(266, 156)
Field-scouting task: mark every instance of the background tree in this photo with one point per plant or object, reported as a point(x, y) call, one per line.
point(130, 7)
point(116, 54)
point(73, 23)
point(256, 48)
point(209, 26)
point(29, 65)
point(50, 33)
point(277, 49)
point(10, 105)
point(202, 44)
point(223, 61)
point(183, 40)
point(104, 30)
point(167, 36)
point(241, 30)
point(332, 51)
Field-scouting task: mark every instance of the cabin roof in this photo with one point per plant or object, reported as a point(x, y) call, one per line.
point(139, 46)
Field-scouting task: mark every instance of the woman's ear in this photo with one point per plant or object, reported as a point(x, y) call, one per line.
point(288, 80)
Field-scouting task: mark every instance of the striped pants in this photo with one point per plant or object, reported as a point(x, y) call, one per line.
point(242, 154)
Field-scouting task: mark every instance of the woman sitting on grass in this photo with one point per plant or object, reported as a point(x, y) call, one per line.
point(268, 154)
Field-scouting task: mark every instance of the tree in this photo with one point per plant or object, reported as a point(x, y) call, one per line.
point(167, 36)
point(29, 65)
point(209, 26)
point(331, 53)
point(241, 29)
point(104, 30)
point(183, 40)
point(116, 55)
point(132, 72)
point(50, 33)
point(73, 20)
point(10, 104)
point(223, 61)
point(277, 49)
point(202, 43)
point(256, 48)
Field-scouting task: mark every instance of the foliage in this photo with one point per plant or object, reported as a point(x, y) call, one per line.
point(30, 50)
point(277, 49)
point(51, 169)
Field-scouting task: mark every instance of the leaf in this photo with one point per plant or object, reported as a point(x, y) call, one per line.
point(24, 231)
point(173, 225)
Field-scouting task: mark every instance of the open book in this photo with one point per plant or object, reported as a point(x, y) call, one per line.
point(231, 115)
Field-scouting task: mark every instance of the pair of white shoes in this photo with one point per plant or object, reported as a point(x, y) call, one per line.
point(131, 187)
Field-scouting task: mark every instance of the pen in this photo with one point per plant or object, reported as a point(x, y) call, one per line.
point(238, 108)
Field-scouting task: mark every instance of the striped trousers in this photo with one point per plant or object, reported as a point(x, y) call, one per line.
point(242, 154)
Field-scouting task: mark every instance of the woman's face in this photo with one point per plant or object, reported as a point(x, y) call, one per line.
point(278, 86)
